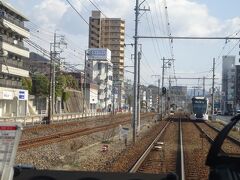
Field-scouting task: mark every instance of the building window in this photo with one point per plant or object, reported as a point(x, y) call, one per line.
point(99, 66)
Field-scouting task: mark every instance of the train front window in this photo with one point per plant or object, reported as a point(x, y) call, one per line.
point(199, 107)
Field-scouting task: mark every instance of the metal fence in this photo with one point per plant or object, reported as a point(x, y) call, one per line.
point(38, 119)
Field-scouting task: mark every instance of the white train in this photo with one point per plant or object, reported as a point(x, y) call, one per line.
point(199, 108)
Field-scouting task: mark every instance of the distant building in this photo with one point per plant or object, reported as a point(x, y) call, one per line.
point(109, 33)
point(143, 98)
point(152, 97)
point(178, 95)
point(128, 88)
point(237, 87)
point(99, 71)
point(228, 84)
point(13, 99)
point(38, 64)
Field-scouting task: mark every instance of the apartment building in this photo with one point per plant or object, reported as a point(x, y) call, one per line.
point(99, 71)
point(228, 84)
point(13, 99)
point(109, 33)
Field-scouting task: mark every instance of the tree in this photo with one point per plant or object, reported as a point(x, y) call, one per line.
point(71, 82)
point(61, 84)
point(27, 84)
point(40, 85)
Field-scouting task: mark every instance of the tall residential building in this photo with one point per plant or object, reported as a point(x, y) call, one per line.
point(13, 99)
point(228, 84)
point(109, 33)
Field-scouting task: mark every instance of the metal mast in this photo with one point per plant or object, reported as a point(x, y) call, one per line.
point(213, 84)
point(134, 119)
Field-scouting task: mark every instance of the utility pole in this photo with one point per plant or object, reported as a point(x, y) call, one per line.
point(113, 99)
point(51, 99)
point(213, 84)
point(138, 91)
point(158, 95)
point(53, 75)
point(163, 69)
point(50, 92)
point(134, 120)
point(85, 82)
point(106, 88)
point(158, 108)
point(54, 58)
point(163, 72)
point(169, 94)
point(203, 86)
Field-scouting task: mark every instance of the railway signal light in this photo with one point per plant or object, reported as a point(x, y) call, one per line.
point(164, 90)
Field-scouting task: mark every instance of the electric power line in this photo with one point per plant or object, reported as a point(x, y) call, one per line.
point(77, 12)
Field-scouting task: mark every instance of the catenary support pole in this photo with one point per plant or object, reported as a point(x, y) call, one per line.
point(213, 86)
point(134, 119)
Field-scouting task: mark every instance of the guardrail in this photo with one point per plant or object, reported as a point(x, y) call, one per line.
point(38, 119)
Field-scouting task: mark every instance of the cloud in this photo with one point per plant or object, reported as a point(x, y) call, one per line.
point(189, 18)
point(116, 8)
point(49, 12)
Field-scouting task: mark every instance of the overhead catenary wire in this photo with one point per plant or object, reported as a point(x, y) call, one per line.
point(153, 42)
point(47, 54)
point(77, 12)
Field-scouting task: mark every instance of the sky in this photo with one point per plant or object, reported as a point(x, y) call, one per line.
point(193, 58)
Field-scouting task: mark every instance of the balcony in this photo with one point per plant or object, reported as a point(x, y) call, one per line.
point(13, 63)
point(14, 71)
point(13, 20)
point(10, 84)
point(18, 29)
point(14, 48)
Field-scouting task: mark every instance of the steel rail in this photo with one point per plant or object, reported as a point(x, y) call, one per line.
point(210, 140)
point(181, 151)
point(139, 162)
point(234, 140)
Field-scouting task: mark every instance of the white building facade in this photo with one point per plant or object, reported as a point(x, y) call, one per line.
point(13, 98)
point(99, 72)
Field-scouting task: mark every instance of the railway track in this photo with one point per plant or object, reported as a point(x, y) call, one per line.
point(231, 146)
point(181, 149)
point(195, 156)
point(187, 159)
point(195, 150)
point(61, 136)
point(164, 154)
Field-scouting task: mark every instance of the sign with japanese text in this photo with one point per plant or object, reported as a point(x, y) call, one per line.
point(9, 138)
